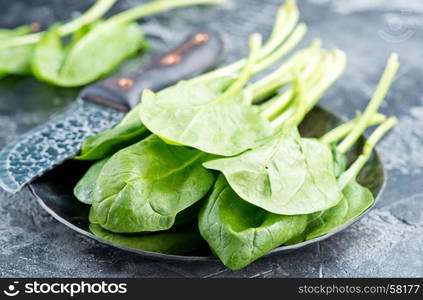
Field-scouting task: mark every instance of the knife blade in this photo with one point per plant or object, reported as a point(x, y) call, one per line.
point(99, 107)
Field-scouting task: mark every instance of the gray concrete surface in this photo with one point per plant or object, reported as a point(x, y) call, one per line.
point(386, 243)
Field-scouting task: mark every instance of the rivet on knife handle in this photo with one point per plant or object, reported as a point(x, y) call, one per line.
point(197, 54)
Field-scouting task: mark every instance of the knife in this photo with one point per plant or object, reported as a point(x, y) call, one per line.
point(99, 107)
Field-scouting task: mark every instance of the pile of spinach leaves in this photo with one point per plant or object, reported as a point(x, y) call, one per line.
point(218, 159)
point(239, 220)
point(96, 47)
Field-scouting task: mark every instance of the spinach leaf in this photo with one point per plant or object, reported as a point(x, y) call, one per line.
point(144, 186)
point(83, 190)
point(177, 241)
point(100, 50)
point(356, 200)
point(186, 114)
point(207, 115)
point(287, 175)
point(17, 45)
point(238, 232)
point(15, 60)
point(129, 131)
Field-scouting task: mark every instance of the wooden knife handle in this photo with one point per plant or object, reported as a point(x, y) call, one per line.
point(197, 54)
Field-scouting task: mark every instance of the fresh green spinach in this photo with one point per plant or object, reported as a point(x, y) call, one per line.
point(215, 82)
point(238, 232)
point(129, 131)
point(153, 188)
point(19, 31)
point(83, 190)
point(97, 52)
point(17, 47)
point(356, 200)
point(15, 60)
point(209, 119)
point(178, 241)
point(287, 175)
point(144, 186)
point(340, 161)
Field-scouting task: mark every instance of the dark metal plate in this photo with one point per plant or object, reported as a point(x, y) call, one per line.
point(54, 191)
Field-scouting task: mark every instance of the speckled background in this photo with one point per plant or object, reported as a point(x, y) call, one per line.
point(386, 243)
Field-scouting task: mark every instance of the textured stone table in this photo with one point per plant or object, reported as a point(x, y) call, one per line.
point(386, 243)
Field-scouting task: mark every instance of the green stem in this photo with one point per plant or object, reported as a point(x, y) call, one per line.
point(155, 7)
point(300, 105)
point(92, 14)
point(337, 69)
point(341, 131)
point(295, 38)
point(254, 45)
point(369, 145)
point(286, 19)
point(272, 82)
point(328, 71)
point(281, 118)
point(278, 103)
point(375, 103)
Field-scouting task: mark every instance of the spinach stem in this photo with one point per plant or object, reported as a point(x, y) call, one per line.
point(92, 14)
point(254, 45)
point(341, 131)
point(306, 60)
point(322, 79)
point(286, 20)
point(155, 7)
point(283, 114)
point(371, 142)
point(286, 113)
point(374, 104)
